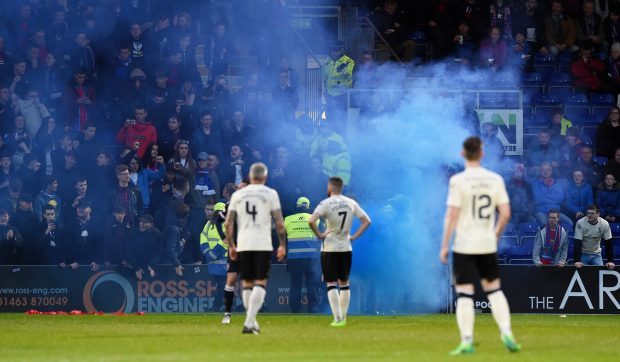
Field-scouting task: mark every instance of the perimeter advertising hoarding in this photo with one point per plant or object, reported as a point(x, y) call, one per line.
point(509, 123)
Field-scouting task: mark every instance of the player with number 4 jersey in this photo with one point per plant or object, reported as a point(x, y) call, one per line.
point(336, 252)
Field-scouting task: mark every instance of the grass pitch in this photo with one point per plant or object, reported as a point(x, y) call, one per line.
point(299, 337)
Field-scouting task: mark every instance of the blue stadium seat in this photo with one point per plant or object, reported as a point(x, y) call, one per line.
point(546, 100)
point(544, 59)
point(577, 99)
point(560, 79)
point(561, 92)
point(528, 113)
point(565, 58)
point(601, 160)
point(588, 134)
point(531, 93)
point(602, 99)
point(577, 114)
point(615, 229)
point(543, 113)
point(418, 36)
point(533, 79)
point(544, 71)
point(600, 113)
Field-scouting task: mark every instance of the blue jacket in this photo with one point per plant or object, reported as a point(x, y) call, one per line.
point(609, 201)
point(578, 198)
point(548, 197)
point(145, 177)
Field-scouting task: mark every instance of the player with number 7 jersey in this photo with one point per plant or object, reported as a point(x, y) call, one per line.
point(336, 252)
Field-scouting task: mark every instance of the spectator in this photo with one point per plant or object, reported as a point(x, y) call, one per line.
point(493, 147)
point(590, 26)
point(608, 134)
point(613, 165)
point(48, 196)
point(137, 132)
point(83, 57)
point(127, 196)
point(236, 170)
point(207, 138)
point(592, 171)
point(142, 178)
point(53, 238)
point(548, 194)
point(175, 235)
point(530, 24)
point(9, 200)
point(80, 100)
point(589, 73)
point(589, 232)
point(68, 173)
point(10, 240)
point(34, 248)
point(116, 240)
point(611, 25)
point(47, 135)
point(493, 50)
point(559, 125)
point(182, 160)
point(84, 239)
point(102, 176)
point(542, 151)
point(6, 171)
point(149, 160)
point(32, 110)
point(80, 192)
point(213, 162)
point(551, 243)
point(501, 17)
point(204, 187)
point(285, 97)
point(18, 140)
point(282, 177)
point(560, 30)
point(608, 199)
point(169, 138)
point(217, 51)
point(393, 23)
point(578, 196)
point(145, 250)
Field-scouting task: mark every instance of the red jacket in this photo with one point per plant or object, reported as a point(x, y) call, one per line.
point(144, 133)
point(586, 74)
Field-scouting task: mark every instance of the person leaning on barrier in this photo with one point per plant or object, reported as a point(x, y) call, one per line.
point(551, 244)
point(303, 250)
point(588, 234)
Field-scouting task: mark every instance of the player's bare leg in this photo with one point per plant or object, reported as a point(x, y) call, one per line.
point(334, 302)
point(229, 296)
point(501, 312)
point(254, 303)
point(465, 317)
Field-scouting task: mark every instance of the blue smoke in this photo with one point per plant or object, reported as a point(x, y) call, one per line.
point(400, 160)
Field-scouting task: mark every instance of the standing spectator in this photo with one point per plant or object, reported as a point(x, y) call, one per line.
point(138, 46)
point(551, 243)
point(175, 235)
point(72, 198)
point(84, 239)
point(116, 240)
point(32, 174)
point(127, 196)
point(83, 57)
point(207, 138)
point(10, 240)
point(608, 199)
point(493, 147)
point(236, 170)
point(182, 160)
point(213, 162)
point(592, 171)
point(337, 79)
point(34, 250)
point(530, 24)
point(54, 78)
point(102, 176)
point(611, 24)
point(217, 52)
point(6, 171)
point(393, 23)
point(549, 194)
point(79, 99)
point(204, 187)
point(521, 196)
point(501, 17)
point(149, 159)
point(142, 178)
point(314, 181)
point(169, 138)
point(18, 140)
point(560, 30)
point(608, 134)
point(48, 196)
point(285, 98)
point(32, 109)
point(282, 178)
point(493, 50)
point(145, 250)
point(589, 232)
point(137, 132)
point(578, 196)
point(9, 200)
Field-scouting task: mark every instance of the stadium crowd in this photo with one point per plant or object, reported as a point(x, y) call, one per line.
point(120, 119)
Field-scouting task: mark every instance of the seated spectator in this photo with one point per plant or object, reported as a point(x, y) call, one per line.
point(393, 23)
point(560, 30)
point(589, 73)
point(608, 199)
point(143, 178)
point(569, 148)
point(521, 196)
point(542, 150)
point(48, 196)
point(137, 131)
point(613, 165)
point(589, 233)
point(590, 26)
point(608, 134)
point(578, 196)
point(559, 125)
point(84, 239)
point(10, 240)
point(548, 195)
point(611, 25)
point(613, 63)
point(145, 250)
point(116, 240)
point(592, 171)
point(493, 50)
point(519, 52)
point(551, 243)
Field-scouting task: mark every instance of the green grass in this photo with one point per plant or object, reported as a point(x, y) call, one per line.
point(293, 338)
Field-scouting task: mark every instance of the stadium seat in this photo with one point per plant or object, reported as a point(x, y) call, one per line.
point(544, 71)
point(530, 93)
point(532, 79)
point(543, 113)
point(578, 114)
point(588, 134)
point(600, 113)
point(561, 92)
point(418, 36)
point(544, 59)
point(565, 58)
point(560, 79)
point(615, 229)
point(528, 113)
point(577, 99)
point(601, 160)
point(602, 99)
point(528, 228)
point(546, 100)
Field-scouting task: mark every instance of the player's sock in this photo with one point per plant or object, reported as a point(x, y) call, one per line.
point(229, 298)
point(500, 310)
point(465, 316)
point(245, 296)
point(334, 301)
point(256, 302)
point(345, 297)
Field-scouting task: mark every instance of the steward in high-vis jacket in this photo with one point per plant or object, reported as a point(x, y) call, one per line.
point(303, 258)
point(215, 250)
